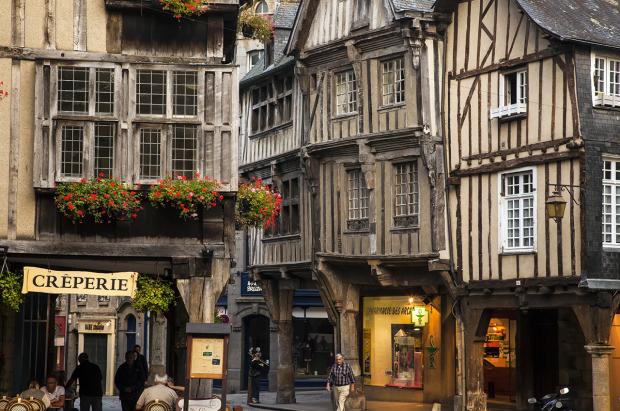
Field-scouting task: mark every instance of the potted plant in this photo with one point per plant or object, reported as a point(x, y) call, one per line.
point(100, 199)
point(186, 195)
point(153, 295)
point(11, 290)
point(183, 8)
point(255, 26)
point(258, 205)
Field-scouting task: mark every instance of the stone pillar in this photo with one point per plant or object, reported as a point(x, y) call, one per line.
point(600, 353)
point(279, 299)
point(157, 346)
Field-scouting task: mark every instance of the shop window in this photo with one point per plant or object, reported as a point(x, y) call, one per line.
point(406, 202)
point(357, 193)
point(518, 210)
point(72, 139)
point(500, 358)
point(393, 81)
point(130, 333)
point(72, 152)
point(346, 93)
point(400, 337)
point(611, 202)
point(606, 81)
point(104, 149)
point(512, 95)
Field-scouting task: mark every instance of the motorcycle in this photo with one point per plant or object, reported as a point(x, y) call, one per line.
point(557, 401)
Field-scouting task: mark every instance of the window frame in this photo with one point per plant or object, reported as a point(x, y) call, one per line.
point(169, 112)
point(503, 212)
point(408, 220)
point(504, 108)
point(88, 149)
point(394, 83)
point(55, 112)
point(275, 98)
point(259, 52)
point(357, 221)
point(604, 98)
point(348, 93)
point(276, 232)
point(259, 4)
point(614, 184)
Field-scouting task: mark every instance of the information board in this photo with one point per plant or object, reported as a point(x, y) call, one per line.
point(207, 358)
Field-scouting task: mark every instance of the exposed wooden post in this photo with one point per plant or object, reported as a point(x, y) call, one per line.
point(199, 294)
point(525, 369)
point(476, 398)
point(279, 299)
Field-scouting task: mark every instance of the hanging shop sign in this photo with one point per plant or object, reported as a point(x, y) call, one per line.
point(41, 280)
point(419, 316)
point(250, 288)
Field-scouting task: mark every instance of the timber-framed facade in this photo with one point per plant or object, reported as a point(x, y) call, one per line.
point(524, 83)
point(116, 88)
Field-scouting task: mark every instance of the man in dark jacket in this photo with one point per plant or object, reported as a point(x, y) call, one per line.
point(141, 362)
point(129, 381)
point(90, 378)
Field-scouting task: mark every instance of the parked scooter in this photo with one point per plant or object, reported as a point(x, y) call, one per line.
point(549, 402)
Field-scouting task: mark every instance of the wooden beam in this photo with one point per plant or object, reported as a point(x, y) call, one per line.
point(546, 53)
point(529, 148)
point(517, 162)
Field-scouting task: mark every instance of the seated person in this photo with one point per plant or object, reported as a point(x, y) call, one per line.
point(34, 391)
point(55, 393)
point(160, 391)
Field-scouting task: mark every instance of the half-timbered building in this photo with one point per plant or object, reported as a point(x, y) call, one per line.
point(373, 219)
point(531, 123)
point(118, 88)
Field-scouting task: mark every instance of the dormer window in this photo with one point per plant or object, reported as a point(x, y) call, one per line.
point(606, 81)
point(254, 57)
point(512, 95)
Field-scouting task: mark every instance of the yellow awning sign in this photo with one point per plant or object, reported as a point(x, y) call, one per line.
point(41, 280)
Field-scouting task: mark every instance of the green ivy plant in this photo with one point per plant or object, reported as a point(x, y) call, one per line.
point(11, 290)
point(153, 295)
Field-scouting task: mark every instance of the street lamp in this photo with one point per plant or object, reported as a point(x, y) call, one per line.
point(556, 206)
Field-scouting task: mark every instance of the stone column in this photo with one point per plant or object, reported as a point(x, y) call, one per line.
point(601, 397)
point(157, 346)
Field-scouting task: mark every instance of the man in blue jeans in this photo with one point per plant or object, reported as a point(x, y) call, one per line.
point(89, 376)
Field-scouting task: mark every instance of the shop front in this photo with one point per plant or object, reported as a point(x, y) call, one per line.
point(401, 338)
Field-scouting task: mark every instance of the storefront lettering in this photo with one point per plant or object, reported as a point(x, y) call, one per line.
point(253, 287)
point(94, 327)
point(79, 282)
point(390, 310)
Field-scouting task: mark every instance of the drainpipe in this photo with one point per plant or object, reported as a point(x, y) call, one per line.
point(147, 336)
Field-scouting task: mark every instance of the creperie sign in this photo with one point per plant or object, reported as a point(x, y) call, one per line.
point(40, 280)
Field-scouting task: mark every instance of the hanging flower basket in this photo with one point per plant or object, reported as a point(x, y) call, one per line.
point(100, 199)
point(11, 295)
point(153, 295)
point(186, 195)
point(183, 8)
point(255, 26)
point(258, 205)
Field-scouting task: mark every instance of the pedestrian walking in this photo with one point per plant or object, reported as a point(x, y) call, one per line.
point(54, 393)
point(141, 362)
point(257, 366)
point(129, 381)
point(89, 376)
point(160, 391)
point(341, 380)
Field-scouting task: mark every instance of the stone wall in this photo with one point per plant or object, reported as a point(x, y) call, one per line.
point(600, 128)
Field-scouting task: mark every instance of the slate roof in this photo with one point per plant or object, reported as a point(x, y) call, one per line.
point(259, 69)
point(413, 5)
point(285, 15)
point(584, 21)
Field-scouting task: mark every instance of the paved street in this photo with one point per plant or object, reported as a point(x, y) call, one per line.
point(306, 401)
